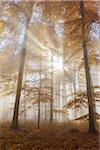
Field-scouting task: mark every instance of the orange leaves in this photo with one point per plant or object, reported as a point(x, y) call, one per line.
point(2, 24)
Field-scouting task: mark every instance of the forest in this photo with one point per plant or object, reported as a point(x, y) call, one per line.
point(49, 74)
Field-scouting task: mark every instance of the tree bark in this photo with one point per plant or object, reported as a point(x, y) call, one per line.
point(39, 98)
point(20, 77)
point(19, 86)
point(51, 101)
point(74, 88)
point(92, 128)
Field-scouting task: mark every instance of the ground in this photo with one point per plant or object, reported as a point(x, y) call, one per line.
point(65, 136)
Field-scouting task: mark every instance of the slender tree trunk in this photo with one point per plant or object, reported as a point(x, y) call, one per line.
point(64, 87)
point(25, 109)
point(24, 102)
point(20, 77)
point(39, 98)
point(74, 87)
point(51, 102)
point(19, 86)
point(88, 78)
point(45, 105)
point(39, 109)
point(45, 112)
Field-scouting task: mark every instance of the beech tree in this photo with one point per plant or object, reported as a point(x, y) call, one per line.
point(20, 76)
point(88, 77)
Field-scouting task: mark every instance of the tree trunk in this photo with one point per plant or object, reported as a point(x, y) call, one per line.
point(20, 77)
point(51, 101)
point(39, 109)
point(88, 78)
point(24, 99)
point(39, 98)
point(74, 88)
point(19, 86)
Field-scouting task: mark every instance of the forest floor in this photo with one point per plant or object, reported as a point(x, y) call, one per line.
point(65, 136)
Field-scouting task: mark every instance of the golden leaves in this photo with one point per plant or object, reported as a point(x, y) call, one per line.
point(2, 23)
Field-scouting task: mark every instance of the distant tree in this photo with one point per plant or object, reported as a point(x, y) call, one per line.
point(51, 101)
point(39, 94)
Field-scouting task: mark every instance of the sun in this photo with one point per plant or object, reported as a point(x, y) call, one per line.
point(58, 63)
